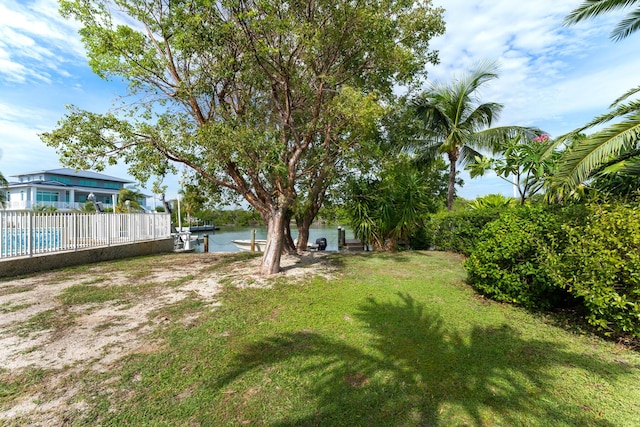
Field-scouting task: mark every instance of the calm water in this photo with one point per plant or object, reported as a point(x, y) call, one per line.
point(220, 240)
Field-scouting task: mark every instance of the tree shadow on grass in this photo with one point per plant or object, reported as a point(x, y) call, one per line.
point(419, 372)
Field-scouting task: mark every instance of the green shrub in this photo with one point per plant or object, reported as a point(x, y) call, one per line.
point(515, 256)
point(457, 231)
point(601, 265)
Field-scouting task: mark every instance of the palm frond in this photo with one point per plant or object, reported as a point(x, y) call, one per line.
point(625, 96)
point(483, 115)
point(629, 167)
point(616, 113)
point(592, 8)
point(629, 25)
point(583, 158)
point(468, 155)
point(491, 139)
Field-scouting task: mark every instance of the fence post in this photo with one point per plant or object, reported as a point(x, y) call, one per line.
point(30, 233)
point(75, 232)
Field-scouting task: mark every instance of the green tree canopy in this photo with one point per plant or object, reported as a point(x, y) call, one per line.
point(242, 91)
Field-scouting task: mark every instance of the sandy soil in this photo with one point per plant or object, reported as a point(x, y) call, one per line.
point(95, 336)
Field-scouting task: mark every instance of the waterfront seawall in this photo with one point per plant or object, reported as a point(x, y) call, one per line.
point(24, 265)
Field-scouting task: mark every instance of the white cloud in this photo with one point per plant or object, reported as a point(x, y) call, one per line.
point(35, 41)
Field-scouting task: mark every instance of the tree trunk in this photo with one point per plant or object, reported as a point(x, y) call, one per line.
point(288, 245)
point(270, 263)
point(303, 223)
point(453, 158)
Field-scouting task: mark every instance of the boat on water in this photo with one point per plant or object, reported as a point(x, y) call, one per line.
point(260, 244)
point(245, 245)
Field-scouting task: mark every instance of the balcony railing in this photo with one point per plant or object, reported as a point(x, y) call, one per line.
point(30, 233)
point(17, 205)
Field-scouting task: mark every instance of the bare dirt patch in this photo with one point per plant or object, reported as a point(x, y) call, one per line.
point(39, 333)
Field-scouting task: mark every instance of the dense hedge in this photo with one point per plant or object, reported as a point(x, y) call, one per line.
point(601, 265)
point(514, 257)
point(545, 257)
point(456, 231)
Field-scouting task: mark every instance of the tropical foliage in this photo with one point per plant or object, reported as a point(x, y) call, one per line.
point(582, 257)
point(609, 159)
point(593, 8)
point(458, 230)
point(491, 201)
point(458, 124)
point(393, 206)
point(129, 201)
point(601, 266)
point(524, 163)
point(614, 150)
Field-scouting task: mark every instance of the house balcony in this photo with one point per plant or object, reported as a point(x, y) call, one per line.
point(17, 205)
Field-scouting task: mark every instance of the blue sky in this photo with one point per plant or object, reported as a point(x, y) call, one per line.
point(552, 77)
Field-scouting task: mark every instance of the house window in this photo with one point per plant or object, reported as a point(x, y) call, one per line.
point(46, 196)
point(88, 183)
point(61, 179)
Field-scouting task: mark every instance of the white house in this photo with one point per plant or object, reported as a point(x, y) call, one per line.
point(64, 189)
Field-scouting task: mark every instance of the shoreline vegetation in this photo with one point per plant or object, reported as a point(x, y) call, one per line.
point(336, 339)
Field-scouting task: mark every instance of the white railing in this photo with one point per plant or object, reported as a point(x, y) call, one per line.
point(31, 233)
point(17, 205)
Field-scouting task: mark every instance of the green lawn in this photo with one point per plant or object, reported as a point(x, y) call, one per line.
point(390, 340)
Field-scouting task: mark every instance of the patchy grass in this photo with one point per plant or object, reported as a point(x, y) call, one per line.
point(27, 382)
point(15, 290)
point(51, 319)
point(8, 307)
point(391, 340)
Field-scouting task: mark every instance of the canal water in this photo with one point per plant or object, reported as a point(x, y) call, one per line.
point(220, 240)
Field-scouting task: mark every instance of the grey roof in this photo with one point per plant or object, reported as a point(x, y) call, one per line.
point(80, 174)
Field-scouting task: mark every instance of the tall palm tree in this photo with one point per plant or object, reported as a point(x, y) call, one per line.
point(593, 8)
point(457, 124)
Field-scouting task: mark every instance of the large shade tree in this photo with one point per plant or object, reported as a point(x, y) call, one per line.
point(242, 91)
point(458, 124)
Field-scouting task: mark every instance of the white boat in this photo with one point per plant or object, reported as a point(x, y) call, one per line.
point(259, 245)
point(245, 245)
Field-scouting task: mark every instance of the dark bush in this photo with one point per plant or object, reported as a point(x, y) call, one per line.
point(601, 266)
point(515, 256)
point(456, 231)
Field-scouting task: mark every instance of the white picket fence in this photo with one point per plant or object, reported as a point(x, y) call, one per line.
point(32, 233)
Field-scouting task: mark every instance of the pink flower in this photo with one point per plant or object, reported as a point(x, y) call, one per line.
point(542, 138)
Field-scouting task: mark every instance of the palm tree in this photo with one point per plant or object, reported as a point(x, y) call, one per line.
point(131, 195)
point(457, 124)
point(593, 8)
point(614, 149)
